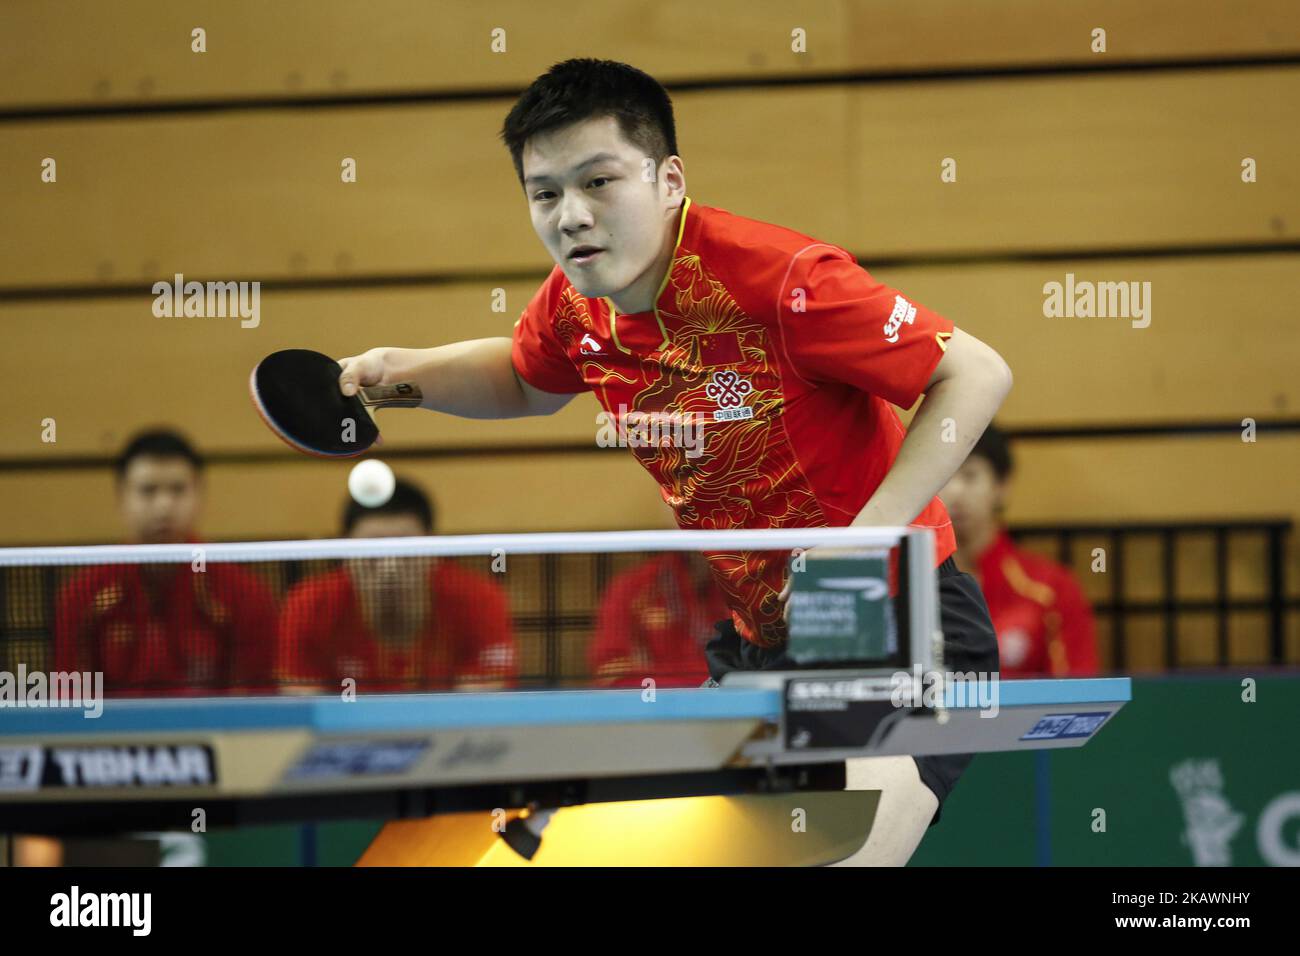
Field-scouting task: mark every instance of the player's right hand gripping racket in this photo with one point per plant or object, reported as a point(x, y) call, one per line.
point(296, 391)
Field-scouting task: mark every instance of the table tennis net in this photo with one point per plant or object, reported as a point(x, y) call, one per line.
point(379, 615)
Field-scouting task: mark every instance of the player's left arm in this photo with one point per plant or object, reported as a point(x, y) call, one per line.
point(840, 324)
point(963, 393)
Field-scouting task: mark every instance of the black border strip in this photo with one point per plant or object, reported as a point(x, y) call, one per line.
point(1102, 64)
point(143, 289)
point(398, 801)
point(1170, 430)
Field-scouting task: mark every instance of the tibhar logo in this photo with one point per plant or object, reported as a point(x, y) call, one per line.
point(928, 689)
point(213, 300)
point(903, 312)
point(27, 767)
point(74, 908)
point(629, 429)
point(1211, 823)
point(1102, 300)
point(54, 689)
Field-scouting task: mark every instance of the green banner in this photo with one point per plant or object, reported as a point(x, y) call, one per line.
point(1196, 771)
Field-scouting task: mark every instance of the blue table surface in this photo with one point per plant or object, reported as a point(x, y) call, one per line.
point(388, 712)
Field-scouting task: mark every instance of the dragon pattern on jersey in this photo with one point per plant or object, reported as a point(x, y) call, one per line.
point(715, 366)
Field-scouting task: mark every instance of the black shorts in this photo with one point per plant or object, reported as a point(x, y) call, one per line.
point(969, 644)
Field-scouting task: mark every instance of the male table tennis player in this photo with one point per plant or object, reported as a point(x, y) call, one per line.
point(390, 624)
point(1044, 623)
point(789, 349)
point(165, 629)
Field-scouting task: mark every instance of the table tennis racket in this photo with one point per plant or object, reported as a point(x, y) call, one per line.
point(296, 391)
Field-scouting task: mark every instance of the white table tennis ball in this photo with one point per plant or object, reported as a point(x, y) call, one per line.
point(371, 483)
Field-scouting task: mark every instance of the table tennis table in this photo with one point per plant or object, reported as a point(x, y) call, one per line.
point(153, 764)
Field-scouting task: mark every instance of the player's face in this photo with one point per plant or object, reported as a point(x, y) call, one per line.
point(587, 185)
point(973, 496)
point(159, 499)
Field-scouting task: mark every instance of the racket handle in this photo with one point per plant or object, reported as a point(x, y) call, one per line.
point(401, 395)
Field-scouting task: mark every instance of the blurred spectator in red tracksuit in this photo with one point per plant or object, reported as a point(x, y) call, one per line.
point(396, 623)
point(165, 629)
point(653, 621)
point(1044, 623)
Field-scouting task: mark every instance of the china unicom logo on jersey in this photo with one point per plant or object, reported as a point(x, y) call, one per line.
point(904, 311)
point(728, 389)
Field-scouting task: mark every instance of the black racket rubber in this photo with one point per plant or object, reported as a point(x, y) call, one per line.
point(296, 391)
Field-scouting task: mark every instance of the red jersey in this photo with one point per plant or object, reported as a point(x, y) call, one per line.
point(787, 351)
point(653, 621)
point(1043, 622)
point(464, 635)
point(166, 629)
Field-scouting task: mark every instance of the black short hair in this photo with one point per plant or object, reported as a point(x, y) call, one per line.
point(408, 499)
point(993, 447)
point(159, 443)
point(581, 89)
